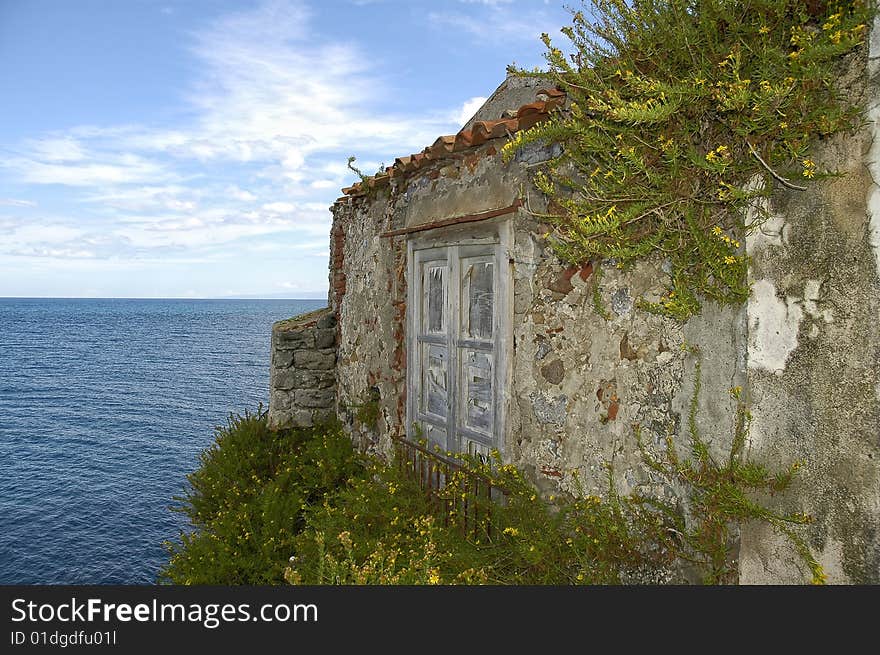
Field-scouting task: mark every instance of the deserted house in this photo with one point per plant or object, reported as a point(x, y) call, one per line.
point(451, 316)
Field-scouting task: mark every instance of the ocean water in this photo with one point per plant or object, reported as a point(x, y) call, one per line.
point(104, 408)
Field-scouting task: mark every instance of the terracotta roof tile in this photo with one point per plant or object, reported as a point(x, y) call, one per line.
point(522, 119)
point(531, 108)
point(553, 92)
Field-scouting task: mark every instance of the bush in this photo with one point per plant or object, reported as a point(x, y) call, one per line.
point(683, 116)
point(246, 502)
point(302, 506)
point(383, 529)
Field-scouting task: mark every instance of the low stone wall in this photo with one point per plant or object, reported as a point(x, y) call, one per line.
point(302, 377)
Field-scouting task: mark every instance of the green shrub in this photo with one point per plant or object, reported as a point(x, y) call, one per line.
point(380, 529)
point(383, 529)
point(683, 114)
point(302, 506)
point(246, 500)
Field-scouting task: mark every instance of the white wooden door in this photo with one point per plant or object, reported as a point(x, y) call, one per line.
point(455, 350)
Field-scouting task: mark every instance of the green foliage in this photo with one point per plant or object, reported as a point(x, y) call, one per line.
point(383, 529)
point(378, 529)
point(247, 498)
point(676, 107)
point(366, 181)
point(302, 506)
point(367, 411)
point(598, 305)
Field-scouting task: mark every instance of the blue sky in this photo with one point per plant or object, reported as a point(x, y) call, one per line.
point(192, 148)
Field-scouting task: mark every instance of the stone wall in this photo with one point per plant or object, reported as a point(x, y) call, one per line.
point(302, 377)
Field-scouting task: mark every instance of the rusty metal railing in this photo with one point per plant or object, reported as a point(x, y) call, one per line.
point(465, 498)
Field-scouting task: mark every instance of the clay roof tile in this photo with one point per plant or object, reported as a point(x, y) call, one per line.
point(531, 108)
point(463, 140)
point(551, 92)
point(512, 121)
point(441, 146)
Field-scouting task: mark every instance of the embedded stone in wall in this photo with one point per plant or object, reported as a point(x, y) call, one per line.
point(302, 378)
point(551, 410)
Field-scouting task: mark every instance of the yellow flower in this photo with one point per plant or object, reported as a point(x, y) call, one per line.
point(511, 531)
point(729, 260)
point(716, 231)
point(763, 29)
point(809, 168)
point(434, 577)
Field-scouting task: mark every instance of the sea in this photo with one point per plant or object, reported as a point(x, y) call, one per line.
point(105, 406)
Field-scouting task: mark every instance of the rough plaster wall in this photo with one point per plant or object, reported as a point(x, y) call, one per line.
point(581, 382)
point(814, 355)
point(371, 360)
point(372, 310)
point(470, 184)
point(873, 158)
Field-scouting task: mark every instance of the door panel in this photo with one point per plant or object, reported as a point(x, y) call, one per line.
point(435, 377)
point(435, 286)
point(477, 390)
point(477, 298)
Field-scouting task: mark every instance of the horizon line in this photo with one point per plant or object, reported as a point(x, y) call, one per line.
point(242, 297)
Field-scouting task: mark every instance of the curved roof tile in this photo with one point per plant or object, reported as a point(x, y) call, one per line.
point(525, 117)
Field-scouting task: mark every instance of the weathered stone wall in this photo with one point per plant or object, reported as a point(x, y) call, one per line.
point(583, 383)
point(371, 305)
point(302, 376)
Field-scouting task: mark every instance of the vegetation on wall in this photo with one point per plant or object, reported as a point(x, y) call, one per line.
point(683, 114)
point(722, 496)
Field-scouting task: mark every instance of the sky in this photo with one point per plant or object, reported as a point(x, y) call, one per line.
point(192, 148)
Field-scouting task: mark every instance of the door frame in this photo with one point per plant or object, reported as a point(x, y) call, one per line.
point(493, 232)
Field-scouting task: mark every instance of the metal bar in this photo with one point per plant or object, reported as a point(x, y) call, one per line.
point(461, 503)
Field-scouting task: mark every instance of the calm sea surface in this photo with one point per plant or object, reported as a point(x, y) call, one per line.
point(104, 408)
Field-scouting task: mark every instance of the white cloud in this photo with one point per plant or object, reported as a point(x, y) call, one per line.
point(57, 149)
point(497, 24)
point(279, 207)
point(468, 109)
point(14, 202)
point(101, 170)
point(274, 112)
point(240, 194)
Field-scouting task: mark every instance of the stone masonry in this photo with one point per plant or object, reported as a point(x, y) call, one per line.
point(302, 379)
